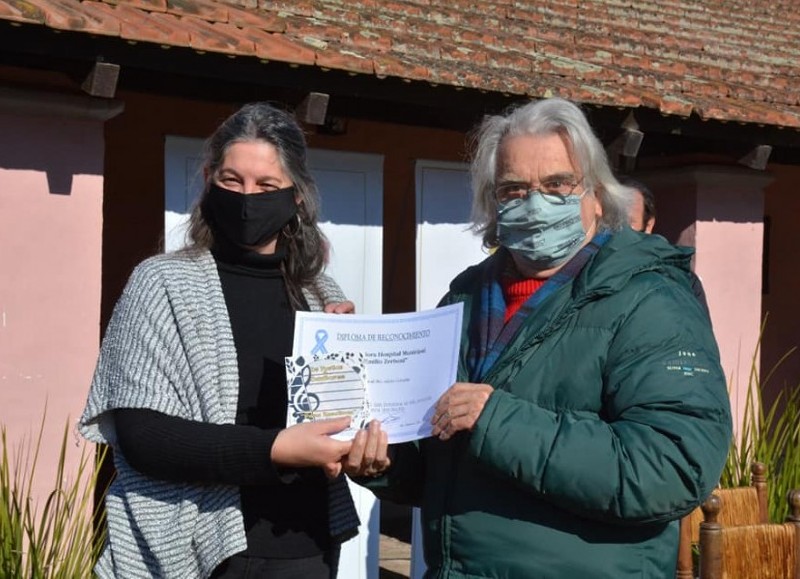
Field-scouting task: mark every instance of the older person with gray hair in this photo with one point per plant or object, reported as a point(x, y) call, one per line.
point(591, 411)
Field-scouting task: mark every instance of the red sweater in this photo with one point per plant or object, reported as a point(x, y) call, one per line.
point(517, 291)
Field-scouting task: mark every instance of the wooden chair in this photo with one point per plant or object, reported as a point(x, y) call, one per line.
point(764, 551)
point(743, 506)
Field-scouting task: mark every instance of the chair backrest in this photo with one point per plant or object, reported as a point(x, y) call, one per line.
point(743, 506)
point(762, 551)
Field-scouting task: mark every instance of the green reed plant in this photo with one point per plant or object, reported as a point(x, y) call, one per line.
point(52, 538)
point(769, 434)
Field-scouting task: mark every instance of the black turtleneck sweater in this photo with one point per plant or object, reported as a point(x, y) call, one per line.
point(285, 512)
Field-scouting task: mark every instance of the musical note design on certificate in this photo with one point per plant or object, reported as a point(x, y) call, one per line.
point(327, 386)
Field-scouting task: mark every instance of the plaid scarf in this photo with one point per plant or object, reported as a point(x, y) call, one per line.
point(493, 334)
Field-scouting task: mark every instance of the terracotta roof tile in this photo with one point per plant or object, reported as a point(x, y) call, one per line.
point(509, 60)
point(149, 5)
point(217, 37)
point(273, 46)
point(67, 15)
point(378, 41)
point(142, 26)
point(245, 19)
point(448, 52)
point(386, 66)
point(406, 45)
point(22, 11)
point(735, 60)
point(315, 32)
point(348, 60)
point(206, 9)
point(297, 8)
point(397, 8)
point(379, 21)
point(485, 38)
point(428, 30)
point(673, 105)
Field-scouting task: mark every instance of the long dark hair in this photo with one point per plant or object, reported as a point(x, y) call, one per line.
point(305, 242)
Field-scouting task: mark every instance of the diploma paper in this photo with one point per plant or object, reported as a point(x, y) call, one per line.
point(411, 359)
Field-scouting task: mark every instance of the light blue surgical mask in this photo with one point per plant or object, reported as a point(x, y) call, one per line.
point(544, 232)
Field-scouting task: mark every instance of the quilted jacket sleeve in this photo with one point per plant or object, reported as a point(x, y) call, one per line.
point(657, 447)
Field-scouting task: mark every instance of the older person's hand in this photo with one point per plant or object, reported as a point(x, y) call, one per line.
point(347, 307)
point(368, 455)
point(459, 408)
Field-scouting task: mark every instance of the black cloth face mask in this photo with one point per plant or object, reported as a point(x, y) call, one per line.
point(248, 219)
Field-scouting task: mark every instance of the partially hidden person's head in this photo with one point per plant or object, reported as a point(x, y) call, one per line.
point(541, 183)
point(643, 205)
point(258, 190)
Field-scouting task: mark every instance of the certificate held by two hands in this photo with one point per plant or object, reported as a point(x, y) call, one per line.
point(391, 367)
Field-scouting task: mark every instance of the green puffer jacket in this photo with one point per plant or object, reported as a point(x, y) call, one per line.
point(610, 420)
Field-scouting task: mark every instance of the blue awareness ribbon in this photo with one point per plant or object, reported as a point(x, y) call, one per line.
point(321, 337)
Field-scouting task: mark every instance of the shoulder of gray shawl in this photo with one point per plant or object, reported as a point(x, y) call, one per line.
point(323, 291)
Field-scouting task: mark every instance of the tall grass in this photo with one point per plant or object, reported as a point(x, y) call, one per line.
point(770, 435)
point(52, 538)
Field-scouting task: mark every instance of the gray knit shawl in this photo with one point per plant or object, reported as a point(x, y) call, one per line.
point(169, 347)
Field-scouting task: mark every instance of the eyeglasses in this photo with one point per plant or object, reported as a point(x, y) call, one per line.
point(555, 191)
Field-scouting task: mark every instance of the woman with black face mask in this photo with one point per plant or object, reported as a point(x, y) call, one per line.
point(190, 387)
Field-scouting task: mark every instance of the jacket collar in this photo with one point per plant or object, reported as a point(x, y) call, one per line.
point(626, 254)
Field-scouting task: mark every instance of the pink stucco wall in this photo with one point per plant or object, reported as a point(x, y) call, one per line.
point(51, 194)
point(719, 210)
point(730, 240)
